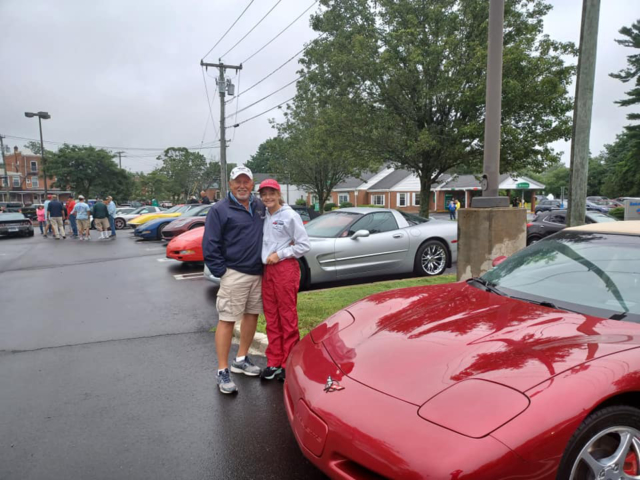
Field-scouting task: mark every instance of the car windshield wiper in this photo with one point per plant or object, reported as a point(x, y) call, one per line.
point(488, 286)
point(546, 303)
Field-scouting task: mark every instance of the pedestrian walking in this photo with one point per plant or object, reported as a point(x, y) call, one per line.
point(100, 214)
point(452, 210)
point(232, 247)
point(42, 219)
point(111, 208)
point(284, 241)
point(56, 217)
point(71, 203)
point(205, 199)
point(81, 210)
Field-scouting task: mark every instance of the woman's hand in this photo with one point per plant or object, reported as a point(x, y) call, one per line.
point(273, 259)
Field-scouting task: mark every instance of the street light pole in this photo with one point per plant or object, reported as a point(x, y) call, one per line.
point(41, 116)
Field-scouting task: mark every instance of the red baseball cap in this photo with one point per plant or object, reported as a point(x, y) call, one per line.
point(270, 183)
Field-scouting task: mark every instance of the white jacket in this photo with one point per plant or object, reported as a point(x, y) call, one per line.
point(284, 233)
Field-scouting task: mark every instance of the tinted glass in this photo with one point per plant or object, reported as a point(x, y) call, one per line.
point(560, 219)
point(413, 219)
point(11, 216)
point(330, 224)
point(378, 222)
point(175, 209)
point(601, 218)
point(195, 212)
point(591, 273)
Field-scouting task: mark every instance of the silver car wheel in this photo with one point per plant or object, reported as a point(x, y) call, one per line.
point(608, 454)
point(434, 259)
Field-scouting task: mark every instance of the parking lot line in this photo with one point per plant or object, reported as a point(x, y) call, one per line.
point(189, 276)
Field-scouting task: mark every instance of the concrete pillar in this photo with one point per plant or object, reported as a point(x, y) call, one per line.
point(487, 233)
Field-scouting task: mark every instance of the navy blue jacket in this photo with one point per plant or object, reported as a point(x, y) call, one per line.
point(233, 237)
point(55, 208)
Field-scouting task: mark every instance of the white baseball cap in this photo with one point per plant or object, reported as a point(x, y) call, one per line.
point(236, 172)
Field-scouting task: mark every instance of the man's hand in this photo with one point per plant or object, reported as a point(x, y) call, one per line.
point(273, 259)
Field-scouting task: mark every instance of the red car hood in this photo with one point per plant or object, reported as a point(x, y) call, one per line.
point(187, 240)
point(413, 343)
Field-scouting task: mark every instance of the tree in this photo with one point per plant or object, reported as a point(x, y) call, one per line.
point(34, 147)
point(269, 157)
point(622, 167)
point(89, 171)
point(409, 78)
point(184, 170)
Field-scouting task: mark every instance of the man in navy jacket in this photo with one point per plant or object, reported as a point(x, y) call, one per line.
point(232, 247)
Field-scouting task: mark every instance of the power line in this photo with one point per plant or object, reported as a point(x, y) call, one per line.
point(281, 32)
point(262, 113)
point(265, 97)
point(237, 105)
point(229, 29)
point(252, 29)
point(206, 89)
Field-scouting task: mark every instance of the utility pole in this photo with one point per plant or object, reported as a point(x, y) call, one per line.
point(6, 170)
point(222, 87)
point(119, 158)
point(583, 106)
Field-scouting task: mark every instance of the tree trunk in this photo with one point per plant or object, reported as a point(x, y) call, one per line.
point(425, 194)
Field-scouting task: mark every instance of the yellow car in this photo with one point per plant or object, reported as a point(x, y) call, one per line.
point(172, 212)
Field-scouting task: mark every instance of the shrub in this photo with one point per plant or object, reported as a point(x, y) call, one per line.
point(617, 213)
point(329, 206)
point(346, 205)
point(372, 206)
point(301, 202)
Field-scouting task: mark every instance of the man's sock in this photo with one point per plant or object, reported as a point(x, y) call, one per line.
point(240, 359)
point(220, 370)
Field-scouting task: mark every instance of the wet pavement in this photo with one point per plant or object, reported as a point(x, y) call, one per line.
point(107, 371)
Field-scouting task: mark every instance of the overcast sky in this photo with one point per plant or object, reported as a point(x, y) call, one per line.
point(126, 75)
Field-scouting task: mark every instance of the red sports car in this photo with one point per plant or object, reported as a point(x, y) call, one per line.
point(531, 371)
point(187, 247)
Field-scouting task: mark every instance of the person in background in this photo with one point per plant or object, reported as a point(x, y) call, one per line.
point(101, 218)
point(457, 204)
point(111, 208)
point(452, 210)
point(56, 217)
point(284, 240)
point(42, 218)
point(192, 200)
point(154, 202)
point(47, 226)
point(72, 217)
point(205, 199)
point(81, 211)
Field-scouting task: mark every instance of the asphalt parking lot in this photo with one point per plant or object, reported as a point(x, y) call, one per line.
point(107, 371)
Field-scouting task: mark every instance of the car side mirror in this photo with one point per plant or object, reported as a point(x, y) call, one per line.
point(360, 233)
point(498, 260)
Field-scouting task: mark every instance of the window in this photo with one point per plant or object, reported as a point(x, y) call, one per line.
point(4, 182)
point(314, 199)
point(402, 200)
point(377, 200)
point(416, 199)
point(16, 181)
point(35, 182)
point(375, 223)
point(343, 198)
point(556, 218)
point(330, 225)
point(34, 166)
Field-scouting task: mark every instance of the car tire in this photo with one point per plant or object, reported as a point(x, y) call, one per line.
point(160, 229)
point(196, 225)
point(533, 239)
point(432, 259)
point(598, 437)
point(305, 276)
point(120, 223)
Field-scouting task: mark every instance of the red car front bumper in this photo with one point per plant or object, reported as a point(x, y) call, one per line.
point(359, 432)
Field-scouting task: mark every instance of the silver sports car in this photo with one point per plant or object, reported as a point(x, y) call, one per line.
point(362, 242)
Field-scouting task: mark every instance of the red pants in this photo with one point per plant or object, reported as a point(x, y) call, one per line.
point(280, 284)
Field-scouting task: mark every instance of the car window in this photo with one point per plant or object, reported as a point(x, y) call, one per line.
point(413, 219)
point(556, 218)
point(330, 225)
point(601, 218)
point(303, 214)
point(378, 222)
point(11, 216)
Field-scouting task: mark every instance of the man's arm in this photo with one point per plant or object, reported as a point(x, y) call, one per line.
point(212, 242)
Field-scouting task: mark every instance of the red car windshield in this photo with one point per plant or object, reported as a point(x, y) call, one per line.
point(591, 273)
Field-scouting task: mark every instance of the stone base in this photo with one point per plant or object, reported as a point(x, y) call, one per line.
point(487, 233)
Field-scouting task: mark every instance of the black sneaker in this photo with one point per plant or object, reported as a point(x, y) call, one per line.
point(270, 373)
point(281, 375)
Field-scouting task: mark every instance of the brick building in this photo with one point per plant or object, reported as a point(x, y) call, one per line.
point(26, 179)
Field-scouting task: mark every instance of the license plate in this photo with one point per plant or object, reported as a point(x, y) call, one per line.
point(13, 229)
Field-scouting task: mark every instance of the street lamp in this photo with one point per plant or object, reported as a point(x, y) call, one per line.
point(41, 116)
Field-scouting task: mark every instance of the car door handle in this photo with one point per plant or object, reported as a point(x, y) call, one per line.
point(398, 235)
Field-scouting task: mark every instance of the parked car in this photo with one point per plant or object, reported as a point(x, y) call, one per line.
point(530, 371)
point(306, 213)
point(172, 212)
point(602, 206)
point(548, 223)
point(12, 223)
point(154, 229)
point(124, 210)
point(122, 219)
point(30, 211)
point(194, 218)
point(11, 207)
point(546, 205)
point(363, 242)
point(187, 247)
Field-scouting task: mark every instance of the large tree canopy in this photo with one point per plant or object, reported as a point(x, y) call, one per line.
point(409, 77)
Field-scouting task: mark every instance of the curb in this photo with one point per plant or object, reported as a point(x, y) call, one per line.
point(259, 343)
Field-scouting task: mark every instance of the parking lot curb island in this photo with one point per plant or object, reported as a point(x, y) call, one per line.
point(259, 344)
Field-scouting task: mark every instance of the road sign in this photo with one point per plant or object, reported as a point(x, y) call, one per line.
point(632, 209)
point(523, 185)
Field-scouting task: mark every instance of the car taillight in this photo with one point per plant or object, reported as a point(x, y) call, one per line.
point(529, 224)
point(26, 224)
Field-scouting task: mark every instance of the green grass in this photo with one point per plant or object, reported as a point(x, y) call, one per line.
point(316, 306)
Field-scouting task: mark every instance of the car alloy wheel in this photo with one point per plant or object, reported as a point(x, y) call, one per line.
point(120, 223)
point(432, 258)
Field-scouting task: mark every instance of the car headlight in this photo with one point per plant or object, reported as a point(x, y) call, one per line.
point(336, 322)
point(145, 231)
point(186, 252)
point(474, 407)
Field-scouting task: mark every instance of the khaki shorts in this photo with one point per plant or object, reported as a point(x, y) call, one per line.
point(102, 224)
point(239, 294)
point(84, 224)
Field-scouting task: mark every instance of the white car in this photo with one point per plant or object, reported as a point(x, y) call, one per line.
point(122, 219)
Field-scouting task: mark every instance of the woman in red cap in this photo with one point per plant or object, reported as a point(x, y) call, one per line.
point(284, 241)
